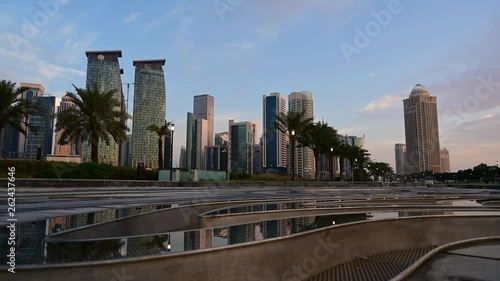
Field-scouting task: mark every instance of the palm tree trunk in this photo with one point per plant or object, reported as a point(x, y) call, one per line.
point(160, 155)
point(94, 144)
point(341, 163)
point(316, 164)
point(331, 169)
point(352, 170)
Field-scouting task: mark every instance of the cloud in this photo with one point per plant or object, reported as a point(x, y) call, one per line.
point(132, 17)
point(243, 45)
point(166, 17)
point(68, 29)
point(384, 105)
point(42, 68)
point(372, 74)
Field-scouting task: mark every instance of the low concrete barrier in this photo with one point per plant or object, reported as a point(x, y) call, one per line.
point(289, 258)
point(85, 183)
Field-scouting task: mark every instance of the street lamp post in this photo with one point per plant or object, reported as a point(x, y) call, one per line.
point(331, 164)
point(171, 150)
point(293, 155)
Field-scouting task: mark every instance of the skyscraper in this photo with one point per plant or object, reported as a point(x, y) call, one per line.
point(242, 143)
point(274, 144)
point(196, 142)
point(400, 151)
point(183, 158)
point(352, 141)
point(203, 107)
point(304, 157)
point(70, 147)
point(222, 139)
point(39, 144)
point(103, 71)
point(445, 161)
point(14, 143)
point(422, 132)
point(149, 108)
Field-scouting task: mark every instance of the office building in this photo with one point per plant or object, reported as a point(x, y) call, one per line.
point(69, 147)
point(203, 108)
point(445, 161)
point(400, 152)
point(196, 141)
point(103, 71)
point(257, 159)
point(243, 136)
point(274, 143)
point(149, 108)
point(183, 158)
point(222, 139)
point(126, 157)
point(304, 157)
point(423, 152)
point(352, 141)
point(13, 141)
point(213, 157)
point(39, 144)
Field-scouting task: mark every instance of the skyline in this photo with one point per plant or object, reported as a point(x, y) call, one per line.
point(252, 49)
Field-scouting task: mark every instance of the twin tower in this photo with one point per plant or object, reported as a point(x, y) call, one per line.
point(103, 70)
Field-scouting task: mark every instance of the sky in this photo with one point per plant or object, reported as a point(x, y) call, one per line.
point(360, 59)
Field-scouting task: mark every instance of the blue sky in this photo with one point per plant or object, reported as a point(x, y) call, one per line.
point(239, 50)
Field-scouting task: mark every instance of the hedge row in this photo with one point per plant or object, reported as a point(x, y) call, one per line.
point(63, 170)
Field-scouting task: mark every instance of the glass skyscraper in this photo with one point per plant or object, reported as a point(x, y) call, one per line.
point(149, 108)
point(103, 71)
point(274, 144)
point(45, 127)
point(242, 143)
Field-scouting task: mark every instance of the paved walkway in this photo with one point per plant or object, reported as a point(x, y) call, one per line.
point(475, 263)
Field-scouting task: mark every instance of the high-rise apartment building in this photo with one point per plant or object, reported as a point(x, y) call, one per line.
point(445, 161)
point(243, 137)
point(203, 107)
point(103, 71)
point(304, 157)
point(149, 108)
point(400, 152)
point(423, 152)
point(274, 144)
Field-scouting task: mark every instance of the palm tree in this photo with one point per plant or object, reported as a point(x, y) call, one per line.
point(14, 110)
point(317, 137)
point(334, 141)
point(292, 124)
point(342, 151)
point(97, 115)
point(161, 131)
point(363, 158)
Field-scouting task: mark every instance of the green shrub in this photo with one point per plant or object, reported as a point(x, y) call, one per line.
point(95, 171)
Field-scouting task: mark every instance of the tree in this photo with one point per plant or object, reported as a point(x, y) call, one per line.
point(161, 131)
point(380, 169)
point(292, 124)
point(97, 115)
point(14, 110)
point(317, 137)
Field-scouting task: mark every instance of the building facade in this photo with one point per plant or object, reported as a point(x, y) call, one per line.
point(352, 141)
point(304, 157)
point(183, 158)
point(14, 143)
point(222, 139)
point(400, 152)
point(39, 144)
point(149, 108)
point(422, 132)
point(203, 108)
point(241, 147)
point(69, 147)
point(103, 72)
point(445, 161)
point(274, 143)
